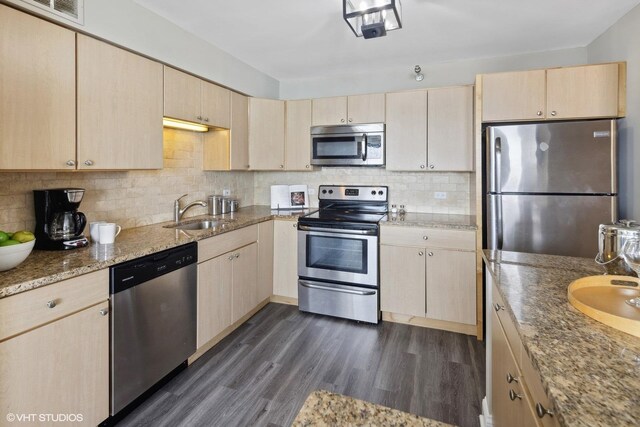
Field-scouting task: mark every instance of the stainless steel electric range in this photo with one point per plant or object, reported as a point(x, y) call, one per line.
point(338, 252)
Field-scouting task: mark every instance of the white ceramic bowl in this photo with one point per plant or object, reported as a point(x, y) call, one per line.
point(12, 256)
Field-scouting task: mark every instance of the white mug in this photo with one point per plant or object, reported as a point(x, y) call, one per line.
point(94, 231)
point(108, 232)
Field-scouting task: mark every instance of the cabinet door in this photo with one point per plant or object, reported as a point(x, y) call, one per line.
point(450, 129)
point(214, 297)
point(265, 260)
point(329, 111)
point(244, 290)
point(181, 95)
point(119, 108)
point(366, 108)
point(216, 105)
point(451, 286)
point(406, 131)
point(285, 259)
point(298, 135)
point(239, 149)
point(402, 280)
point(59, 368)
point(266, 134)
point(582, 92)
point(37, 93)
point(513, 96)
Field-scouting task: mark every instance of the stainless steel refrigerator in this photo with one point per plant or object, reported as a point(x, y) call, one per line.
point(549, 186)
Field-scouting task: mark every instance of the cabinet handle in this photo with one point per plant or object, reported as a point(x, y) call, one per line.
point(71, 163)
point(553, 113)
point(421, 166)
point(542, 411)
point(420, 253)
point(230, 257)
point(430, 254)
point(51, 304)
point(425, 237)
point(350, 119)
point(511, 378)
point(539, 113)
point(341, 120)
point(295, 225)
point(431, 166)
point(237, 256)
point(497, 307)
point(103, 312)
point(206, 119)
point(307, 166)
point(88, 162)
point(281, 166)
point(513, 395)
point(199, 117)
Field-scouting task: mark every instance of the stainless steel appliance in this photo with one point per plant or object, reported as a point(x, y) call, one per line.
point(348, 145)
point(549, 186)
point(338, 251)
point(153, 321)
point(59, 225)
point(612, 238)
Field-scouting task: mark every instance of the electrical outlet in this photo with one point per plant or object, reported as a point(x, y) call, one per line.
point(440, 195)
point(226, 192)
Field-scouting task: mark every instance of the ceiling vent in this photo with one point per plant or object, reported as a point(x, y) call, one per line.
point(69, 9)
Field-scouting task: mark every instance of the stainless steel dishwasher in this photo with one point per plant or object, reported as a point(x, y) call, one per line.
point(153, 321)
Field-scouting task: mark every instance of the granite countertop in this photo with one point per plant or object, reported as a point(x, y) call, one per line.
point(587, 368)
point(323, 408)
point(429, 220)
point(46, 267)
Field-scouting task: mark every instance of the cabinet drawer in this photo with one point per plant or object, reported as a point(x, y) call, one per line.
point(538, 395)
point(509, 328)
point(428, 237)
point(218, 245)
point(19, 313)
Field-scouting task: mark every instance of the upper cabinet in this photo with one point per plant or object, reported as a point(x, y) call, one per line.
point(430, 130)
point(228, 149)
point(266, 134)
point(189, 98)
point(37, 93)
point(119, 108)
point(349, 109)
point(590, 91)
point(297, 135)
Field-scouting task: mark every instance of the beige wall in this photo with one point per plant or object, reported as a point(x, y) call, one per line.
point(415, 190)
point(131, 198)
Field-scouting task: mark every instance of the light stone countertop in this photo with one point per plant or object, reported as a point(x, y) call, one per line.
point(46, 267)
point(323, 408)
point(429, 220)
point(587, 376)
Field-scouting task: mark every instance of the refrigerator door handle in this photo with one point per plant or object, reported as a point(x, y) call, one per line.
point(499, 224)
point(494, 159)
point(497, 166)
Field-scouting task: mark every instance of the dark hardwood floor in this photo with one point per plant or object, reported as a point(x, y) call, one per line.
point(262, 373)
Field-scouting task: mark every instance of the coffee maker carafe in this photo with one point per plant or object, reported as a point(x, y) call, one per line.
point(59, 225)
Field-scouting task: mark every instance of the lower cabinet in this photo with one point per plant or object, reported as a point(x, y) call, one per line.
point(285, 259)
point(54, 351)
point(430, 275)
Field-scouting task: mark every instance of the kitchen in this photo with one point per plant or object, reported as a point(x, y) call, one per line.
point(138, 198)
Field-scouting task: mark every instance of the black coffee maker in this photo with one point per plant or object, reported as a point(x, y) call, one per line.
point(59, 225)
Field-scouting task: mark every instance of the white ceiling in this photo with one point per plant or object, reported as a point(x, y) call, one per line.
point(289, 39)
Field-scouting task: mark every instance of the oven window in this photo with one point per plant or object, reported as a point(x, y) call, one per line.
point(337, 253)
point(336, 147)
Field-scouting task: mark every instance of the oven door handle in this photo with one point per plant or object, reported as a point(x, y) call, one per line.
point(337, 231)
point(332, 289)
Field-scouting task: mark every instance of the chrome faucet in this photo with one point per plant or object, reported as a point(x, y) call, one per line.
point(178, 212)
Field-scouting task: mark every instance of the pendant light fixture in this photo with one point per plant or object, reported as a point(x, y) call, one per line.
point(372, 18)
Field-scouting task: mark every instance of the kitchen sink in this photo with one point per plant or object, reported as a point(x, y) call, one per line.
point(198, 225)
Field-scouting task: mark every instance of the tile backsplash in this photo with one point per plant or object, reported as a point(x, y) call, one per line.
point(136, 198)
point(415, 190)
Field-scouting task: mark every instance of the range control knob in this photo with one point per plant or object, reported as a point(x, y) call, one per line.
point(330, 191)
point(380, 192)
point(324, 191)
point(373, 192)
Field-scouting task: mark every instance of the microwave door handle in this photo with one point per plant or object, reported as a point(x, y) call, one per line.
point(365, 147)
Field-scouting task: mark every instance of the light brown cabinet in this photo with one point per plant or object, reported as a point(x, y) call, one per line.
point(266, 134)
point(589, 91)
point(430, 130)
point(244, 295)
point(119, 108)
point(353, 109)
point(265, 260)
point(37, 93)
point(430, 274)
point(285, 259)
point(228, 149)
point(189, 98)
point(214, 298)
point(297, 135)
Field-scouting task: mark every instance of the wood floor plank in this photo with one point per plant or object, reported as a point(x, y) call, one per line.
point(262, 373)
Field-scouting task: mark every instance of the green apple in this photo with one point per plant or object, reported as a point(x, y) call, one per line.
point(9, 243)
point(4, 236)
point(23, 236)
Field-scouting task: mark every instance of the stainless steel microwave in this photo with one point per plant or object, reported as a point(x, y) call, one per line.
point(349, 145)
